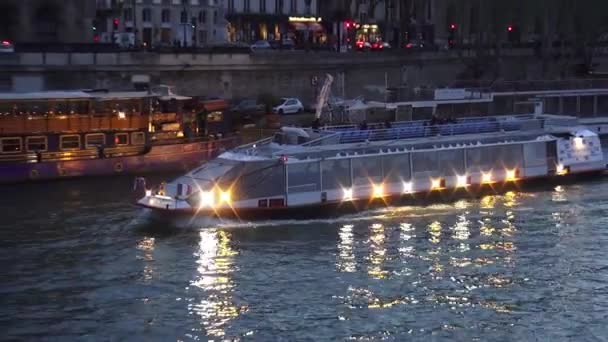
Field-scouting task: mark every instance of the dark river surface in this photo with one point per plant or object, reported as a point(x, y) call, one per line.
point(78, 262)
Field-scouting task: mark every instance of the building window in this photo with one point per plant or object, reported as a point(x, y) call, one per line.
point(183, 17)
point(294, 6)
point(94, 140)
point(166, 16)
point(121, 139)
point(214, 17)
point(202, 37)
point(262, 6)
point(247, 6)
point(230, 6)
point(202, 17)
point(279, 6)
point(138, 138)
point(70, 142)
point(128, 14)
point(10, 145)
point(36, 144)
point(146, 15)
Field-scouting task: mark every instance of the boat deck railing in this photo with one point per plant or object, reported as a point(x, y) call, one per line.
point(426, 129)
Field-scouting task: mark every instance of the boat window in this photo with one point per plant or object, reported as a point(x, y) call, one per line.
point(424, 162)
point(94, 140)
point(213, 169)
point(367, 170)
point(138, 138)
point(36, 144)
point(336, 174)
point(535, 154)
point(396, 168)
point(10, 145)
point(259, 179)
point(509, 156)
point(215, 116)
point(70, 142)
point(303, 177)
point(121, 139)
point(451, 162)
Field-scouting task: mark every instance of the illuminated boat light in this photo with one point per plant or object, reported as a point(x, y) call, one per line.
point(486, 178)
point(511, 175)
point(462, 181)
point(206, 199)
point(225, 196)
point(378, 190)
point(347, 194)
point(148, 193)
point(436, 184)
point(408, 187)
point(579, 143)
point(561, 170)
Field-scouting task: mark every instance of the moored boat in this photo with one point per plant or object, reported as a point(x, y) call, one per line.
point(49, 135)
point(309, 170)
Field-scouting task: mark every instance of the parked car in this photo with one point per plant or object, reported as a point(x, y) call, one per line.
point(248, 107)
point(380, 46)
point(289, 106)
point(414, 44)
point(361, 45)
point(260, 45)
point(7, 47)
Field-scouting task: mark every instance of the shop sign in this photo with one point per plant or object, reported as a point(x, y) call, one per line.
point(306, 19)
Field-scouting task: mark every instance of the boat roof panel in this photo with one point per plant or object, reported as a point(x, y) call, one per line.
point(45, 95)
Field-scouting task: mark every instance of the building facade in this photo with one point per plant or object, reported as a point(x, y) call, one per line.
point(162, 23)
point(47, 21)
point(252, 20)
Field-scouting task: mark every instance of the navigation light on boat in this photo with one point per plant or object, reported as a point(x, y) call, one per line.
point(436, 183)
point(486, 178)
point(511, 175)
point(407, 187)
point(462, 181)
point(206, 199)
point(379, 190)
point(225, 196)
point(561, 170)
point(347, 194)
point(579, 144)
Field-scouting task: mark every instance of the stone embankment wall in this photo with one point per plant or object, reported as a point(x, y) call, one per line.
point(249, 75)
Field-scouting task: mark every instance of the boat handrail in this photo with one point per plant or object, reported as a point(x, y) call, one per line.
point(446, 129)
point(317, 141)
point(414, 122)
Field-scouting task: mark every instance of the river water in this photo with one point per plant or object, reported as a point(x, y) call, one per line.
point(78, 262)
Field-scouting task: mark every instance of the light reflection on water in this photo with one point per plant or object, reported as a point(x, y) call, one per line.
point(215, 266)
point(479, 243)
point(519, 266)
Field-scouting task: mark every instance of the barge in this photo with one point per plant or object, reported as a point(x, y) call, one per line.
point(310, 171)
point(51, 135)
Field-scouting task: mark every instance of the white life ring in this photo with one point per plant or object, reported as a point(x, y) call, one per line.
point(118, 167)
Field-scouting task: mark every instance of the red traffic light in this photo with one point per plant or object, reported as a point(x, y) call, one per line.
point(452, 26)
point(509, 28)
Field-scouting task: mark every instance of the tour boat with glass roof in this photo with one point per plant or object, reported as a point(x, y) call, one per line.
point(342, 166)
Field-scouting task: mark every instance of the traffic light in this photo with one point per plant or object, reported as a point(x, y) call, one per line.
point(452, 34)
point(115, 24)
point(512, 34)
